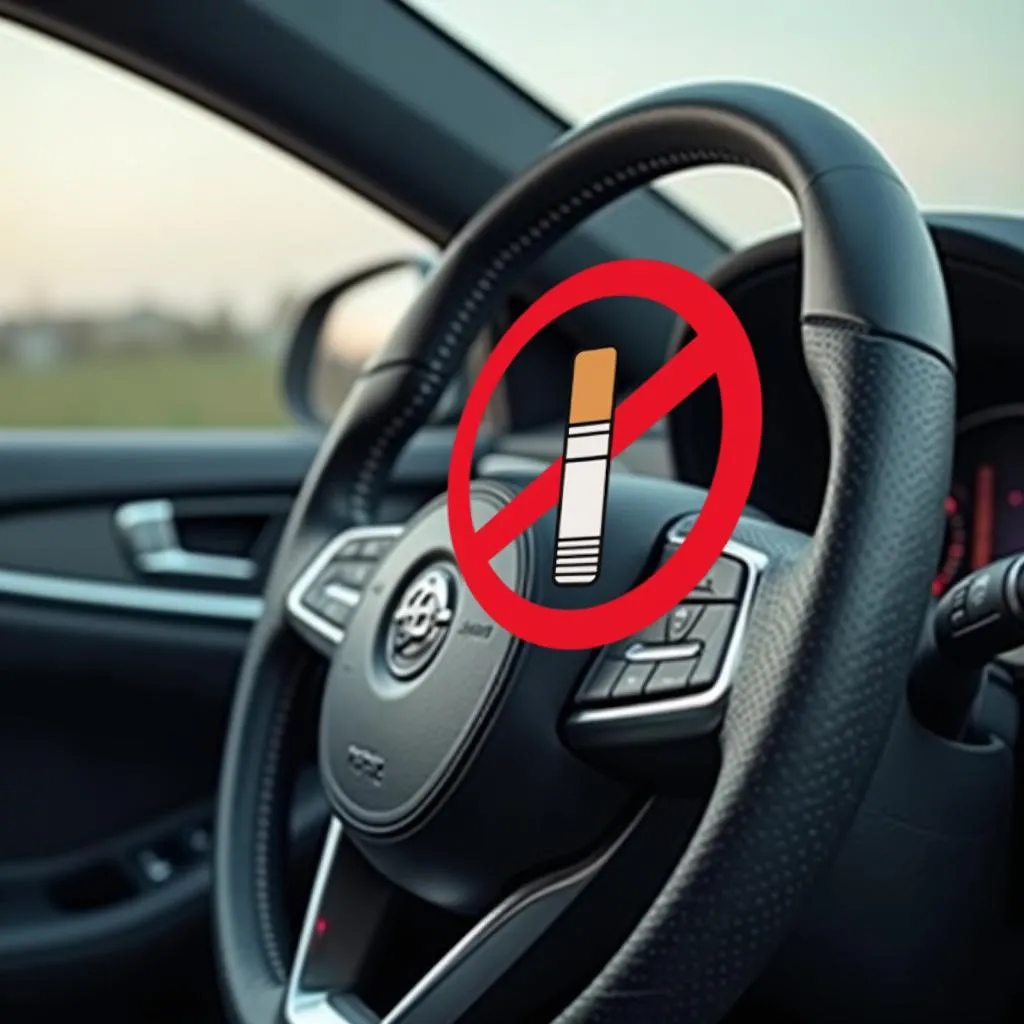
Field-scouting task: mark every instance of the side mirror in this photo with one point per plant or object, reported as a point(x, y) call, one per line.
point(342, 328)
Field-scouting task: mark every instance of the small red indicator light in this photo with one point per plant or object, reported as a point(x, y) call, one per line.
point(1016, 499)
point(320, 927)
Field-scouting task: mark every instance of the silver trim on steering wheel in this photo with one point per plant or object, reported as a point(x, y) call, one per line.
point(469, 969)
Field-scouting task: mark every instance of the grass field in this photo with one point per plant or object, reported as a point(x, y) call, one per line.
point(162, 390)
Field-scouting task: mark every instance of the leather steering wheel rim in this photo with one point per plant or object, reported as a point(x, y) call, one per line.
point(823, 669)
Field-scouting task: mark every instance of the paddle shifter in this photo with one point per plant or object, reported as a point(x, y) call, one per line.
point(976, 621)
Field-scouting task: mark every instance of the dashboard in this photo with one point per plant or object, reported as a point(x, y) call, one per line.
point(984, 274)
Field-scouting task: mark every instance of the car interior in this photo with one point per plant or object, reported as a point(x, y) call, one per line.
point(298, 724)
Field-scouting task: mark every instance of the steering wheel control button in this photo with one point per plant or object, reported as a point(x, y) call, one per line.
point(670, 677)
point(974, 601)
point(681, 620)
point(713, 632)
point(331, 598)
point(600, 683)
point(323, 600)
point(353, 573)
point(725, 580)
point(337, 612)
point(686, 679)
point(632, 681)
point(350, 549)
point(420, 623)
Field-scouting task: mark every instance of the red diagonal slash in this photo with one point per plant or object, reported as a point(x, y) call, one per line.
point(634, 416)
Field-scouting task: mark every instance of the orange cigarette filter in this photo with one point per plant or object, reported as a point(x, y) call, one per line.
point(593, 386)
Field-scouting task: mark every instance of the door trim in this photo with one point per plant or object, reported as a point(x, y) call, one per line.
point(126, 597)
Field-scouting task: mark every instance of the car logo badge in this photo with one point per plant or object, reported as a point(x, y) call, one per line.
point(420, 623)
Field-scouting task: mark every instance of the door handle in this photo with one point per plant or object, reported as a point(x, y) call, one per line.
point(150, 533)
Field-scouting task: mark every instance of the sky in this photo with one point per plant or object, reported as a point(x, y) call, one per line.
point(113, 192)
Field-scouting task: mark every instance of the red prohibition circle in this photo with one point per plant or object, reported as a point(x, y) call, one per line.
point(721, 349)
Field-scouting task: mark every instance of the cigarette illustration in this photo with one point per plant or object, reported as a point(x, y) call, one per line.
point(586, 462)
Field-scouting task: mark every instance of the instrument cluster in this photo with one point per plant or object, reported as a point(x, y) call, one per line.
point(985, 510)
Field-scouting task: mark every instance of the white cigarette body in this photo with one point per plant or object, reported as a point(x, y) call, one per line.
point(586, 467)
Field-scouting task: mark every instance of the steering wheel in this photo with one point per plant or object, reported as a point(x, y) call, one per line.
point(483, 791)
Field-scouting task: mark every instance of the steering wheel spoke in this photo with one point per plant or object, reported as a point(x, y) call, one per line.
point(322, 601)
point(645, 699)
point(354, 917)
point(346, 906)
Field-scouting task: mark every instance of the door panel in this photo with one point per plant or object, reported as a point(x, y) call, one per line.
point(117, 673)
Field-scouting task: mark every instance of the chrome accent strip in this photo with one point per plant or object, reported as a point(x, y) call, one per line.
point(129, 597)
point(756, 562)
point(328, 630)
point(179, 562)
point(667, 652)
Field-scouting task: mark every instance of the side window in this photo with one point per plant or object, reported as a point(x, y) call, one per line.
point(153, 255)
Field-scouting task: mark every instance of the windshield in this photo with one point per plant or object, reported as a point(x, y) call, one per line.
point(938, 84)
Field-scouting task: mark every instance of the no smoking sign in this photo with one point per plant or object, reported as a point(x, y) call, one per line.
point(721, 349)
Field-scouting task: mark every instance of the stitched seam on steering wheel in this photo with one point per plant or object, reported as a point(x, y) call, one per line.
point(609, 186)
point(264, 824)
